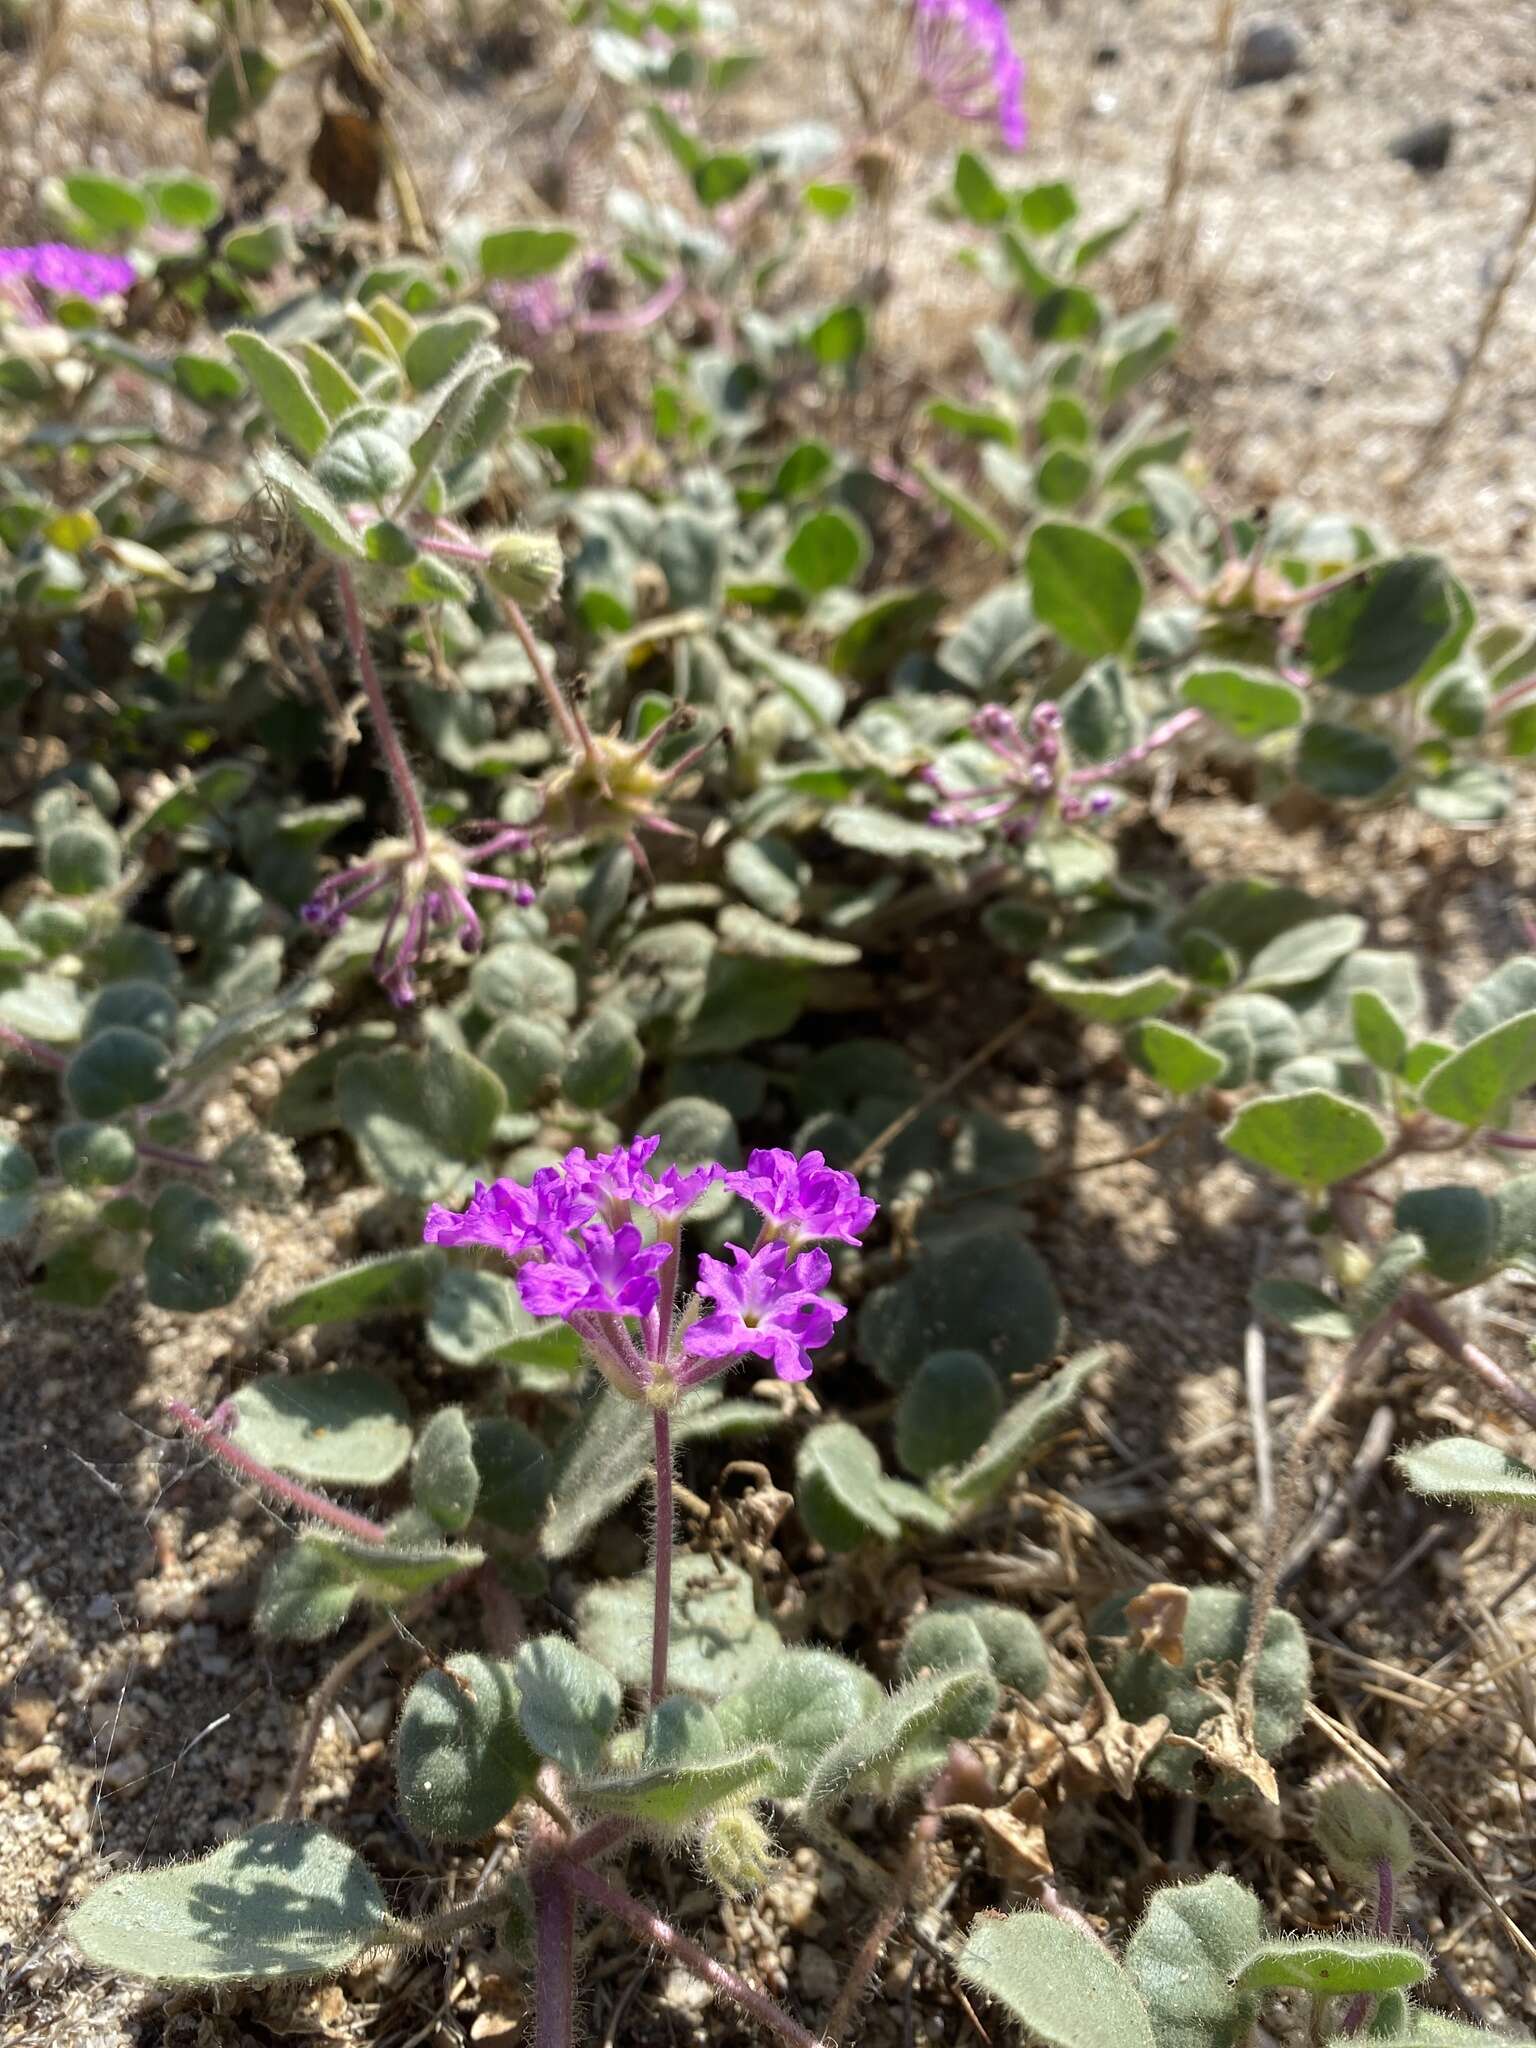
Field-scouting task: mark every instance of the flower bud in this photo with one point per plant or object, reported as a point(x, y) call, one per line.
point(736, 1852)
point(527, 567)
point(1358, 1827)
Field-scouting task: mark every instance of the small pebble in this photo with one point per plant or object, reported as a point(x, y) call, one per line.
point(37, 1761)
point(1267, 50)
point(1426, 148)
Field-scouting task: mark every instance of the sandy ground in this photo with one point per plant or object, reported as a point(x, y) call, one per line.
point(1331, 293)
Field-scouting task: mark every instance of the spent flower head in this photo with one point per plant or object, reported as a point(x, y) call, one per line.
point(1033, 781)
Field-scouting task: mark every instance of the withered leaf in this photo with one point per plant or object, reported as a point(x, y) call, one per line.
point(1156, 1620)
point(346, 160)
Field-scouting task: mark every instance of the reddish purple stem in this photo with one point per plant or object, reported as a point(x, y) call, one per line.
point(301, 1497)
point(43, 1054)
point(1160, 736)
point(554, 1949)
point(1361, 2006)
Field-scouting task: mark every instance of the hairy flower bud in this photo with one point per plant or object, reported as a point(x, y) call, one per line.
point(1358, 1827)
point(736, 1852)
point(527, 567)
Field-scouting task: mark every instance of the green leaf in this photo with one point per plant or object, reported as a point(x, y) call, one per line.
point(82, 858)
point(880, 1749)
point(1380, 631)
point(1379, 1032)
point(1339, 762)
point(283, 389)
point(1122, 1001)
point(461, 1756)
point(1313, 1136)
point(962, 507)
point(1477, 1084)
point(1305, 953)
point(1398, 1260)
point(719, 178)
point(604, 1063)
point(314, 509)
point(945, 1412)
point(306, 1594)
point(1249, 703)
point(977, 193)
point(93, 1155)
point(1063, 478)
point(827, 548)
point(1508, 992)
point(840, 1488)
point(108, 203)
point(684, 1772)
point(1302, 1308)
point(569, 1703)
point(284, 1900)
point(1339, 1963)
point(421, 1121)
point(876, 638)
point(838, 337)
point(184, 201)
point(392, 1282)
point(865, 829)
point(1183, 1957)
point(118, 1069)
point(1062, 1986)
point(363, 465)
point(747, 932)
point(476, 1318)
point(520, 979)
point(438, 348)
point(514, 1474)
point(1470, 1473)
point(1134, 347)
point(1042, 209)
point(1025, 1430)
point(1175, 1059)
point(1086, 587)
point(444, 1478)
point(513, 254)
point(798, 1706)
point(719, 1641)
point(345, 1428)
point(1067, 313)
point(241, 83)
point(195, 1260)
point(988, 1291)
point(979, 1635)
point(1458, 1227)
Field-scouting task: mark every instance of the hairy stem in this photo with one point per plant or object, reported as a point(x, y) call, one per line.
point(1160, 736)
point(213, 1439)
point(650, 1927)
point(570, 721)
point(661, 1621)
point(1287, 1513)
point(1361, 2006)
point(43, 1054)
point(554, 1947)
point(383, 718)
point(1423, 1316)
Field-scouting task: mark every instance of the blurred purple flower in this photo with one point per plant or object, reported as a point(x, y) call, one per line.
point(966, 57)
point(510, 1218)
point(766, 1304)
point(59, 268)
point(803, 1198)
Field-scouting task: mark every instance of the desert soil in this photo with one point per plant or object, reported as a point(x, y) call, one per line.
point(1331, 291)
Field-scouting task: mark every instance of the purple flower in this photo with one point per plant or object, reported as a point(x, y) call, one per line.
point(675, 1190)
point(59, 268)
point(612, 1176)
point(770, 1305)
point(804, 1198)
point(965, 55)
point(606, 1272)
point(513, 1219)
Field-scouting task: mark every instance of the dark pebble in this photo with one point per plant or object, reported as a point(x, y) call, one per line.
point(1427, 147)
point(1266, 51)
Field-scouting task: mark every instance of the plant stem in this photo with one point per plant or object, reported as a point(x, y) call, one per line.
point(1360, 2007)
point(213, 1439)
point(1282, 1527)
point(163, 1155)
point(383, 718)
point(1424, 1317)
point(1507, 1141)
point(43, 1054)
point(1160, 736)
point(661, 1622)
point(650, 1927)
point(887, 1920)
point(554, 1944)
point(570, 721)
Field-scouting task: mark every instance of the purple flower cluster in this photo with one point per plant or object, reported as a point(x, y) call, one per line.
point(575, 1240)
point(965, 56)
point(1033, 777)
point(430, 895)
point(59, 268)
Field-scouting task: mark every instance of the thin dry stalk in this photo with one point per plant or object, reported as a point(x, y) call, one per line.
point(1189, 165)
